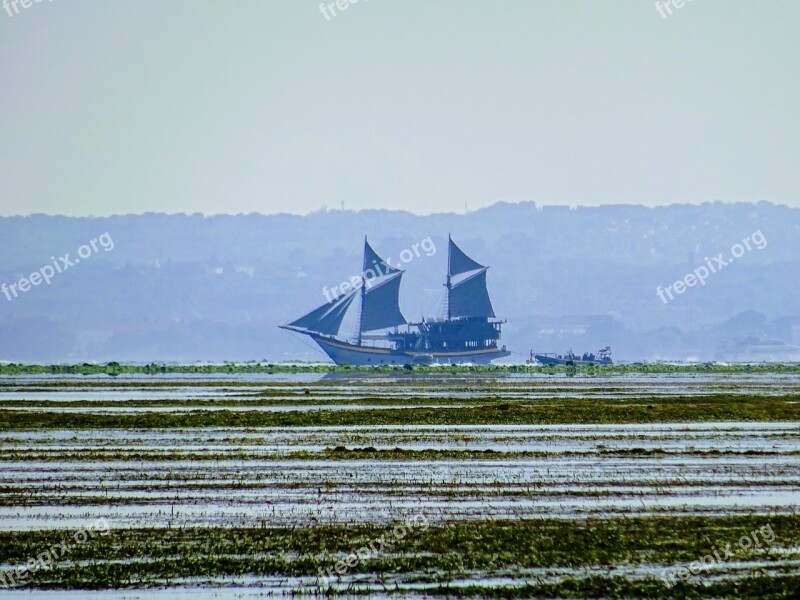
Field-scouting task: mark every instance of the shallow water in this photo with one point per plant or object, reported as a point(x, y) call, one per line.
point(62, 479)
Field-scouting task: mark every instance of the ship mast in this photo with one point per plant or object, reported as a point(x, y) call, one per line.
point(449, 287)
point(363, 295)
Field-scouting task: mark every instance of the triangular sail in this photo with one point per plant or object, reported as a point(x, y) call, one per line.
point(458, 262)
point(467, 295)
point(327, 318)
point(381, 304)
point(374, 265)
point(470, 298)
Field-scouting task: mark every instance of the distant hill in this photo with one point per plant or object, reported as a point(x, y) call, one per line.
point(188, 287)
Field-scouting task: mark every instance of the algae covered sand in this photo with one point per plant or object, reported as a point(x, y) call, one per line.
point(529, 484)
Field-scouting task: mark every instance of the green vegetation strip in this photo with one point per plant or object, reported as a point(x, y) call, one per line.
point(677, 409)
point(320, 400)
point(114, 369)
point(439, 554)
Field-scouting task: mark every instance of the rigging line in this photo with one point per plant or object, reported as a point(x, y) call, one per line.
point(438, 305)
point(443, 303)
point(305, 343)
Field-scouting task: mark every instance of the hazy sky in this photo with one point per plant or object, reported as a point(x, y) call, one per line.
point(266, 106)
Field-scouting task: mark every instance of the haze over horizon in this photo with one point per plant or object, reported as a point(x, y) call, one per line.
point(433, 213)
point(217, 108)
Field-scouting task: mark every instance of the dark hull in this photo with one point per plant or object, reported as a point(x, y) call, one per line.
point(552, 360)
point(352, 354)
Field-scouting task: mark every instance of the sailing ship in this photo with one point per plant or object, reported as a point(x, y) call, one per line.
point(468, 334)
